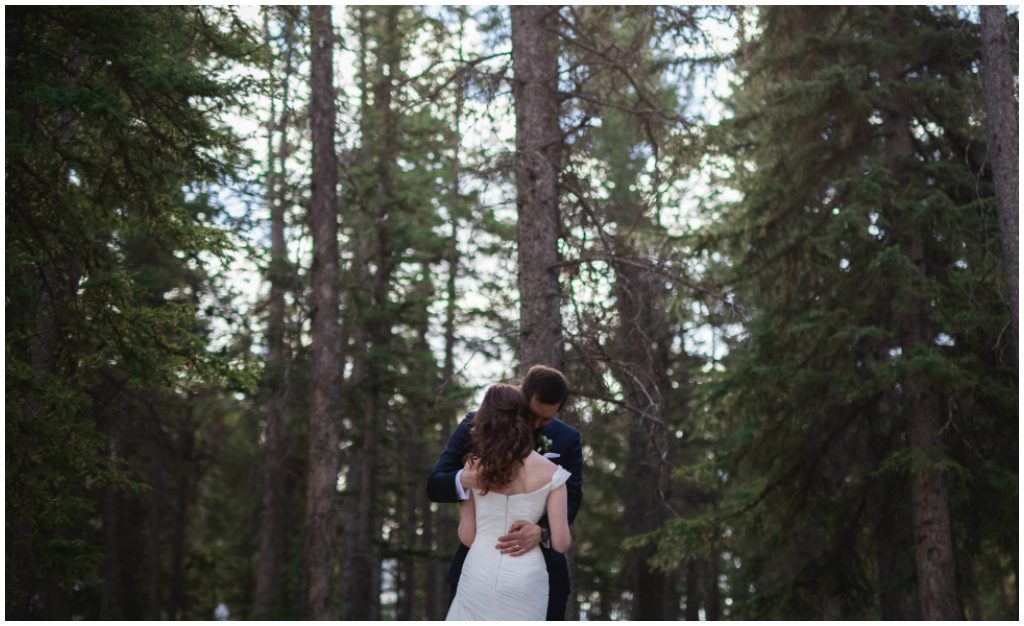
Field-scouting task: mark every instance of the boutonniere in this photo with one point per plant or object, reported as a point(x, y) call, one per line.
point(543, 444)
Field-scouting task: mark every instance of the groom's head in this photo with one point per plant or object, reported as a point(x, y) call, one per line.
point(547, 390)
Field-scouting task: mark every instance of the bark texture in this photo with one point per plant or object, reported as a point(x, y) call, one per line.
point(933, 545)
point(538, 156)
point(537, 164)
point(1003, 146)
point(321, 517)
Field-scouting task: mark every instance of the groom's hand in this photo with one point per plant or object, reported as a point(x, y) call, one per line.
point(470, 477)
point(521, 538)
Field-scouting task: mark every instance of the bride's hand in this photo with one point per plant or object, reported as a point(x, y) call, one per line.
point(521, 538)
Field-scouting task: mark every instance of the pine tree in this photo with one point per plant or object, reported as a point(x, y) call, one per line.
point(273, 529)
point(858, 236)
point(111, 118)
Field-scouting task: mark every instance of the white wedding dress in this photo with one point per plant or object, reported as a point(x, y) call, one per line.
point(496, 586)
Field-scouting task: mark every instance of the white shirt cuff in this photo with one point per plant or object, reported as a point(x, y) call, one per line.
point(458, 485)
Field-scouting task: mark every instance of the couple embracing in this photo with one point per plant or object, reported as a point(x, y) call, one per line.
point(516, 473)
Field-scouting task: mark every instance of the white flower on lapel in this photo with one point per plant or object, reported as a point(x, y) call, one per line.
point(543, 444)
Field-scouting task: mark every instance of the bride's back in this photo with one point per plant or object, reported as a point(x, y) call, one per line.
point(534, 474)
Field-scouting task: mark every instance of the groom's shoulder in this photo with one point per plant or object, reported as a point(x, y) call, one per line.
point(564, 429)
point(468, 419)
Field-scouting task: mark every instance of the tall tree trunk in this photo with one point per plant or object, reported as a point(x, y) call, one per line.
point(894, 545)
point(273, 524)
point(388, 68)
point(407, 592)
point(538, 160)
point(1003, 149)
point(321, 524)
point(438, 601)
point(54, 599)
point(186, 445)
point(437, 605)
point(712, 596)
point(354, 582)
point(638, 297)
point(415, 463)
point(112, 600)
point(692, 591)
point(153, 600)
point(933, 543)
point(356, 576)
point(112, 604)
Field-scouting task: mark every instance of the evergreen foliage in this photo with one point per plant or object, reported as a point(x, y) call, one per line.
point(735, 298)
point(811, 421)
point(111, 120)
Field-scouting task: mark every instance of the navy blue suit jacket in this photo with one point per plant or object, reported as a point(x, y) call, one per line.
point(565, 441)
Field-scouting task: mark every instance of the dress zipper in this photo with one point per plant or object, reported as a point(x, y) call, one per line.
point(501, 556)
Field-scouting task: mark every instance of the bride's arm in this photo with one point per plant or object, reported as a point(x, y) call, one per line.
point(467, 520)
point(558, 519)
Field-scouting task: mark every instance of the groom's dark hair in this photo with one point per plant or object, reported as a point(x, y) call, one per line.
point(548, 384)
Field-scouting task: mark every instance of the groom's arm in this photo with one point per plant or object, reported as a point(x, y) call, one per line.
point(441, 485)
point(573, 462)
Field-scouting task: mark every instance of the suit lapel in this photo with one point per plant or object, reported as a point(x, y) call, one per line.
point(552, 432)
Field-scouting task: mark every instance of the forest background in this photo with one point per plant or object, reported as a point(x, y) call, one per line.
point(773, 249)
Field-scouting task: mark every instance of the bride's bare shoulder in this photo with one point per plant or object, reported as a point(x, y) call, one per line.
point(539, 460)
point(541, 468)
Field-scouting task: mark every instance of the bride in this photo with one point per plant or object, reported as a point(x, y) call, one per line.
point(515, 483)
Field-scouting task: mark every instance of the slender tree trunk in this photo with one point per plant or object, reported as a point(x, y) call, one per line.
point(406, 564)
point(54, 600)
point(186, 444)
point(437, 604)
point(692, 591)
point(972, 590)
point(416, 464)
point(153, 599)
point(273, 524)
point(355, 571)
point(112, 604)
point(894, 545)
point(1003, 147)
point(431, 574)
point(638, 298)
point(112, 600)
point(538, 160)
point(712, 596)
point(936, 581)
point(383, 137)
point(354, 581)
point(321, 517)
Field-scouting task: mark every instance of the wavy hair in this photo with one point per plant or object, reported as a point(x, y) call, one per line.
point(501, 436)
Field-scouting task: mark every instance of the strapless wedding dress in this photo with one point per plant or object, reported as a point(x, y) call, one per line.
point(496, 586)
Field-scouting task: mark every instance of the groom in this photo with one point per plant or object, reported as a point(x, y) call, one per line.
point(547, 390)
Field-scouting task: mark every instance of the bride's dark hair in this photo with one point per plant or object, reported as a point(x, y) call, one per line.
point(501, 436)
